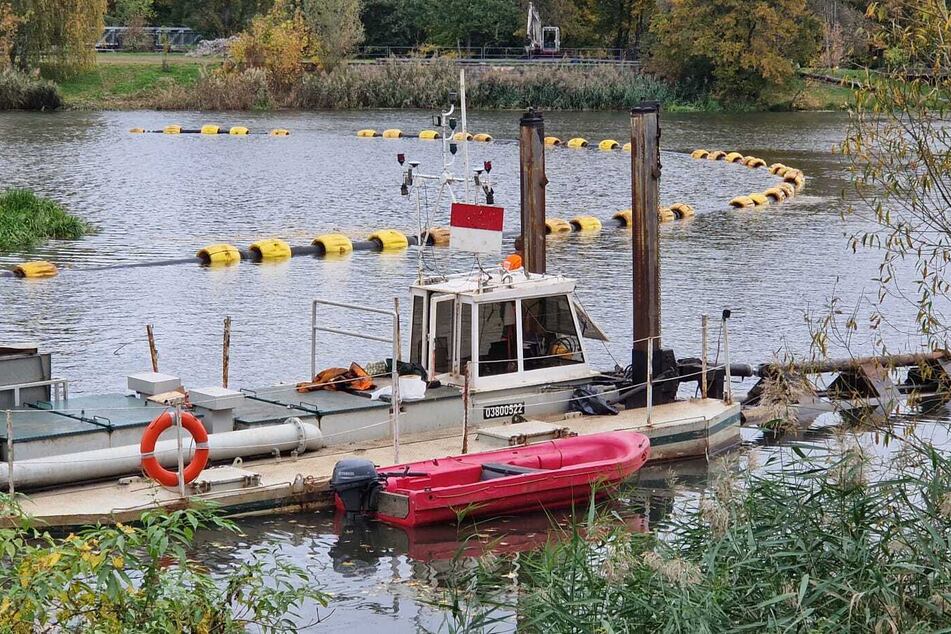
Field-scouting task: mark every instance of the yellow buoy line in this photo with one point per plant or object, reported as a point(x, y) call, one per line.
point(337, 244)
point(426, 135)
point(211, 129)
point(793, 179)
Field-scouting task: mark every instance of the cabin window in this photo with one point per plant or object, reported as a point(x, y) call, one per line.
point(416, 343)
point(498, 338)
point(549, 336)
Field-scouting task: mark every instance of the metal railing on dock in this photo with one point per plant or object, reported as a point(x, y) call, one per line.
point(394, 340)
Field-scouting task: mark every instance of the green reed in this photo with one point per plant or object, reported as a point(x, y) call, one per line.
point(27, 219)
point(22, 92)
point(839, 545)
point(427, 85)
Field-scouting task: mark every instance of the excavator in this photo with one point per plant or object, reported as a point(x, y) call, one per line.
point(543, 41)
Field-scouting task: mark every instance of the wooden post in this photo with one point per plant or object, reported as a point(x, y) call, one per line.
point(465, 408)
point(153, 351)
point(533, 183)
point(226, 353)
point(645, 181)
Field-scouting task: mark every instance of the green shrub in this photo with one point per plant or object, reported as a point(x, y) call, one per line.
point(220, 90)
point(21, 92)
point(27, 219)
point(120, 579)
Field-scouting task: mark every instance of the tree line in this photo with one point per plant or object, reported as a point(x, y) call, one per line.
point(732, 50)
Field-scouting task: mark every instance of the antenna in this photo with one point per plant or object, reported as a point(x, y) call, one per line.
point(416, 180)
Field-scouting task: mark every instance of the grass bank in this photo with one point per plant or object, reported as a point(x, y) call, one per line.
point(128, 81)
point(26, 220)
point(837, 546)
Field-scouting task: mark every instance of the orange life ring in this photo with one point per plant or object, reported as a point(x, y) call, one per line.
point(147, 449)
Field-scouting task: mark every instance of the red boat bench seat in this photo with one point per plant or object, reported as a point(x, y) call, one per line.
point(493, 470)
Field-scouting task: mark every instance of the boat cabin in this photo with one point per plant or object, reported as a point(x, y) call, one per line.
point(512, 328)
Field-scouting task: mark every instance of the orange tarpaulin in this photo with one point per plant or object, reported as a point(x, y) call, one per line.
point(354, 378)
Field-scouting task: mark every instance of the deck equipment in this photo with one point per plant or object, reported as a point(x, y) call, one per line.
point(546, 475)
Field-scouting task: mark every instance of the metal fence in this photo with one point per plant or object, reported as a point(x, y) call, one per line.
point(180, 38)
point(499, 54)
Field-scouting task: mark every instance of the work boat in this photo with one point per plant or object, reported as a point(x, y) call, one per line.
point(496, 358)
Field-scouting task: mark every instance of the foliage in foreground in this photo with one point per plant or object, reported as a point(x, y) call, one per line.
point(824, 549)
point(120, 579)
point(27, 219)
point(21, 92)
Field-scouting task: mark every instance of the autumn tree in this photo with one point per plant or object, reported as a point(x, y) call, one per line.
point(211, 18)
point(276, 41)
point(740, 50)
point(135, 15)
point(335, 27)
point(899, 145)
point(467, 23)
point(59, 33)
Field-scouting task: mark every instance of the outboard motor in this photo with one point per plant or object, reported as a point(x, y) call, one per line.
point(357, 483)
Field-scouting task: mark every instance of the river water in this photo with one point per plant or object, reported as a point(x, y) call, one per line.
point(154, 197)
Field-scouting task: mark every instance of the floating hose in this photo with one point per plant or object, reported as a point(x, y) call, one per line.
point(333, 244)
point(557, 225)
point(37, 269)
point(437, 236)
point(482, 137)
point(219, 255)
point(389, 240)
point(426, 135)
point(586, 223)
point(608, 144)
point(623, 218)
point(210, 128)
point(577, 142)
point(269, 249)
point(458, 136)
point(552, 140)
point(759, 199)
point(238, 130)
point(699, 154)
point(367, 133)
point(742, 201)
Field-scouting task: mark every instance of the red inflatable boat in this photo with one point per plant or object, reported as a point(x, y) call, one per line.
point(545, 475)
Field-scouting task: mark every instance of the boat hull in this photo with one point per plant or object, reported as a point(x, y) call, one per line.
point(557, 474)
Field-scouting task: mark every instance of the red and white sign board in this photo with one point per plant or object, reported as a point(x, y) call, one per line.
point(476, 228)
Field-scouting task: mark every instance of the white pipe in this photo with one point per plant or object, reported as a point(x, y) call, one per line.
point(116, 461)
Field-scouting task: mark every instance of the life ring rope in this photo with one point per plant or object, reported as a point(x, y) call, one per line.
point(150, 463)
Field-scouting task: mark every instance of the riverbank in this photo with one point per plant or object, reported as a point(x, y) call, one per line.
point(124, 81)
point(26, 220)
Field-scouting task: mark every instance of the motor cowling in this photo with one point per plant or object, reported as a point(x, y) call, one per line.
point(357, 483)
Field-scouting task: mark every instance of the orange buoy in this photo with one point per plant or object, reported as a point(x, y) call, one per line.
point(150, 463)
point(512, 262)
